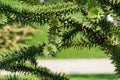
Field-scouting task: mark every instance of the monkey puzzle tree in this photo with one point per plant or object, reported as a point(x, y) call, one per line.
point(31, 12)
point(95, 27)
point(100, 26)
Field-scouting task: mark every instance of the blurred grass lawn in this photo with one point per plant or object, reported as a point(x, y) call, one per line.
point(93, 77)
point(75, 77)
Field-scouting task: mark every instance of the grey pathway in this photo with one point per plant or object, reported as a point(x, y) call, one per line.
point(76, 66)
point(79, 66)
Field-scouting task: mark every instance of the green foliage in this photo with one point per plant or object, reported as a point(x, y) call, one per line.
point(94, 27)
point(31, 2)
point(24, 59)
point(3, 19)
point(36, 14)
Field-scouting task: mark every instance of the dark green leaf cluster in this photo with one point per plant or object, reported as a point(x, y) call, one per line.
point(35, 15)
point(24, 61)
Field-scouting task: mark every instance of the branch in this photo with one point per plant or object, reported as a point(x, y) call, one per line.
point(36, 15)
